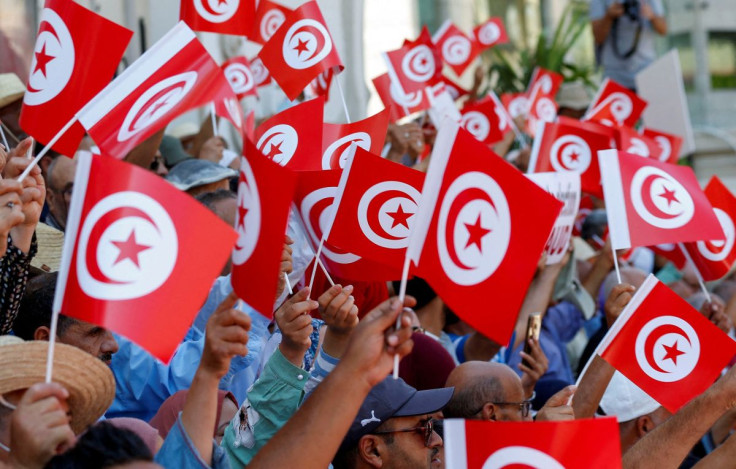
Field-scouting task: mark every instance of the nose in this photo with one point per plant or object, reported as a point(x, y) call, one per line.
point(435, 441)
point(109, 344)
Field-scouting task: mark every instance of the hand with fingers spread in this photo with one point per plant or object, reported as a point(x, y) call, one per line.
point(533, 367)
point(558, 407)
point(39, 426)
point(286, 265)
point(11, 210)
point(375, 341)
point(617, 300)
point(212, 149)
point(20, 151)
point(226, 335)
point(338, 309)
point(295, 325)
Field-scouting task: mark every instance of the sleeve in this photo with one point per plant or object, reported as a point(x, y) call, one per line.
point(597, 9)
point(272, 400)
point(14, 267)
point(323, 366)
point(179, 452)
point(564, 320)
point(657, 7)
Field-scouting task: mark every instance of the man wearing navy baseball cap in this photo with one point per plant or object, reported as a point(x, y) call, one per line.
point(394, 429)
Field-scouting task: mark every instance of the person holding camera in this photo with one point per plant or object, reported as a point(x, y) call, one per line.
point(624, 35)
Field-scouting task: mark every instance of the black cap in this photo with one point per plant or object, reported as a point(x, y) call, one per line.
point(393, 398)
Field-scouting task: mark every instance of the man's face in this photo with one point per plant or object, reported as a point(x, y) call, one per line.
point(408, 449)
point(59, 193)
point(93, 339)
point(508, 410)
point(225, 209)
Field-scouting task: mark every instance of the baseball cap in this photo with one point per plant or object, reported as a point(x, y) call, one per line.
point(626, 400)
point(393, 398)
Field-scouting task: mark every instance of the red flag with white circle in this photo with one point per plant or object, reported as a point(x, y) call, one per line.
point(269, 18)
point(135, 260)
point(614, 105)
point(457, 49)
point(293, 138)
point(631, 141)
point(314, 199)
point(484, 120)
point(239, 75)
point(479, 232)
point(175, 75)
point(260, 221)
point(543, 88)
point(570, 147)
point(492, 32)
point(219, 16)
point(338, 139)
point(320, 86)
point(664, 346)
point(416, 65)
point(376, 204)
point(401, 104)
point(649, 202)
point(260, 73)
point(669, 145)
point(69, 67)
point(300, 49)
point(572, 444)
point(517, 104)
point(714, 259)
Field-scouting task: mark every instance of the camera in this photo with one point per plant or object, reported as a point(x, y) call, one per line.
point(631, 9)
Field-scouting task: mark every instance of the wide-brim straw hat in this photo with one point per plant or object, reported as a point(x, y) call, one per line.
point(50, 243)
point(89, 381)
point(11, 88)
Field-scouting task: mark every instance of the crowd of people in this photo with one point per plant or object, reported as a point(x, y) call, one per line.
point(312, 387)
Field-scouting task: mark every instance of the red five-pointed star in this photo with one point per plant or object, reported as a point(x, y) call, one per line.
point(476, 233)
point(129, 249)
point(274, 150)
point(242, 212)
point(669, 195)
point(574, 157)
point(220, 2)
point(400, 217)
point(42, 59)
point(301, 47)
point(672, 352)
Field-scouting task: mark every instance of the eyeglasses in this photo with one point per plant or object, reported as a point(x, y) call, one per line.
point(427, 428)
point(524, 407)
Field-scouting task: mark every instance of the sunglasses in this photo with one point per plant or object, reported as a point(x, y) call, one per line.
point(427, 429)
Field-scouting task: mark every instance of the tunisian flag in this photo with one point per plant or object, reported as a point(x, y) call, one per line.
point(458, 50)
point(491, 33)
point(416, 65)
point(543, 88)
point(615, 105)
point(570, 146)
point(714, 258)
point(219, 16)
point(299, 50)
point(401, 104)
point(314, 199)
point(574, 444)
point(669, 145)
point(239, 75)
point(649, 202)
point(135, 260)
point(479, 232)
point(175, 75)
point(269, 18)
point(630, 141)
point(672, 352)
point(376, 204)
point(265, 190)
point(337, 139)
point(293, 138)
point(484, 120)
point(70, 65)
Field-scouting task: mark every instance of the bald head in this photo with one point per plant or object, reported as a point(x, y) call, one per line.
point(630, 275)
point(478, 383)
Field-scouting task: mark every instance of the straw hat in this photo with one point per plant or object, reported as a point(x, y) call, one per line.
point(573, 95)
point(89, 381)
point(50, 244)
point(11, 88)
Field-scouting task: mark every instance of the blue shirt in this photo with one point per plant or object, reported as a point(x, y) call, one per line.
point(143, 382)
point(178, 452)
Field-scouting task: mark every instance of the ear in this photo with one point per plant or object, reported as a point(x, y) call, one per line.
point(644, 425)
point(371, 448)
point(488, 412)
point(42, 333)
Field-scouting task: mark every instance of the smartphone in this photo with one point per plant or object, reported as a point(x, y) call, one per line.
point(533, 327)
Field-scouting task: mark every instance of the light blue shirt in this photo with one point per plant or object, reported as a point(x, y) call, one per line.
point(143, 382)
point(623, 70)
point(179, 452)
